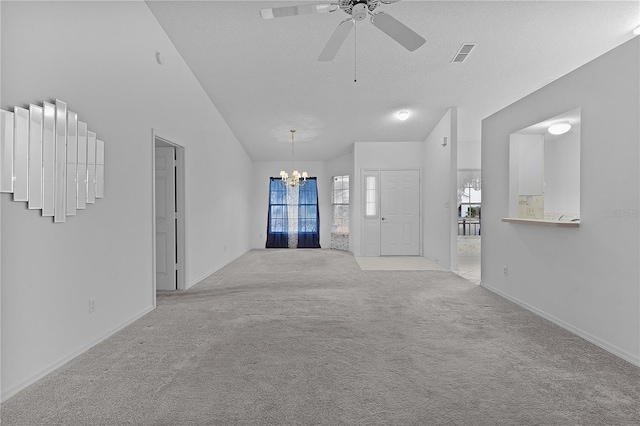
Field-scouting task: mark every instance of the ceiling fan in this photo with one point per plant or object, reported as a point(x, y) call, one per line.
point(358, 11)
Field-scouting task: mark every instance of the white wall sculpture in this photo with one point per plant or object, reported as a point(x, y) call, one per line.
point(50, 159)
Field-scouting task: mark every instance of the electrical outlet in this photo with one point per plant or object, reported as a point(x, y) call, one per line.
point(92, 305)
point(505, 270)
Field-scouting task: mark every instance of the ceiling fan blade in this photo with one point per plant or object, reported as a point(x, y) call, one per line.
point(303, 9)
point(336, 40)
point(397, 31)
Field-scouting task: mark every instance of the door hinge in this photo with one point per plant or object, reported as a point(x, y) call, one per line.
point(176, 266)
point(175, 215)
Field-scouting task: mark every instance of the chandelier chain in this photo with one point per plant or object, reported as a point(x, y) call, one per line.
point(296, 179)
point(293, 164)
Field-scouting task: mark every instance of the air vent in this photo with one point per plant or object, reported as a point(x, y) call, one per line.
point(462, 54)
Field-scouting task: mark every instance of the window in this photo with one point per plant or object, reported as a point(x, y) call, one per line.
point(469, 193)
point(278, 206)
point(340, 205)
point(371, 197)
point(293, 217)
point(308, 208)
point(340, 213)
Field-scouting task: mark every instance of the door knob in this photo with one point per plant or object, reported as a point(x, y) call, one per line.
point(383, 218)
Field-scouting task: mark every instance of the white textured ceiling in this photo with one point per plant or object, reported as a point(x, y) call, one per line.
point(264, 77)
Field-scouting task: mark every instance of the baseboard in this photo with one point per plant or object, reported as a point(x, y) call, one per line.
point(31, 380)
point(214, 270)
point(633, 359)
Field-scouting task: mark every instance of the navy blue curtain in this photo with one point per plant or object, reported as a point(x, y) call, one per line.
point(308, 215)
point(277, 223)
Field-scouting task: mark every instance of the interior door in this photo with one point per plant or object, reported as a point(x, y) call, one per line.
point(400, 212)
point(165, 219)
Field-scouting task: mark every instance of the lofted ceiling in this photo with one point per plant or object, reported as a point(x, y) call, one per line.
point(264, 77)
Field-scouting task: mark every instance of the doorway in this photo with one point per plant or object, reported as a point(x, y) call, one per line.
point(169, 218)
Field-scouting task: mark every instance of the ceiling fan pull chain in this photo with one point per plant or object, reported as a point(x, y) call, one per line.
point(355, 52)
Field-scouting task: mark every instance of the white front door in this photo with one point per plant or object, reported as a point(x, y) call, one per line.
point(165, 219)
point(400, 212)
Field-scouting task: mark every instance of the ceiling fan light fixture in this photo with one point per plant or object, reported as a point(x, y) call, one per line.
point(359, 11)
point(402, 115)
point(559, 128)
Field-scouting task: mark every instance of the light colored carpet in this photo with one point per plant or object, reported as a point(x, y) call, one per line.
point(397, 263)
point(310, 339)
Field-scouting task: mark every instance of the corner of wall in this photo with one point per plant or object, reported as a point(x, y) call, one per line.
point(440, 197)
point(453, 192)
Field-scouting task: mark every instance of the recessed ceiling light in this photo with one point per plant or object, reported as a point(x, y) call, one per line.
point(637, 30)
point(559, 128)
point(402, 115)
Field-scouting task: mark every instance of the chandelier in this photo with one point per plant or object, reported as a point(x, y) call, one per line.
point(295, 178)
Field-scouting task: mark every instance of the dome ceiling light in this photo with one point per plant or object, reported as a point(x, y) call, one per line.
point(559, 128)
point(402, 115)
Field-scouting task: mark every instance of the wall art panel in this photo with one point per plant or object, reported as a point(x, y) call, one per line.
point(6, 151)
point(91, 167)
point(99, 168)
point(72, 162)
point(48, 158)
point(81, 178)
point(21, 154)
point(35, 156)
point(60, 202)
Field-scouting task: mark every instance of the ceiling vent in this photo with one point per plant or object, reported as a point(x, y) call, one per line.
point(462, 54)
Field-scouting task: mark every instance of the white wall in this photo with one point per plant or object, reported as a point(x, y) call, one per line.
point(100, 58)
point(562, 173)
point(530, 163)
point(377, 155)
point(440, 185)
point(586, 279)
point(262, 171)
point(340, 166)
point(469, 154)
